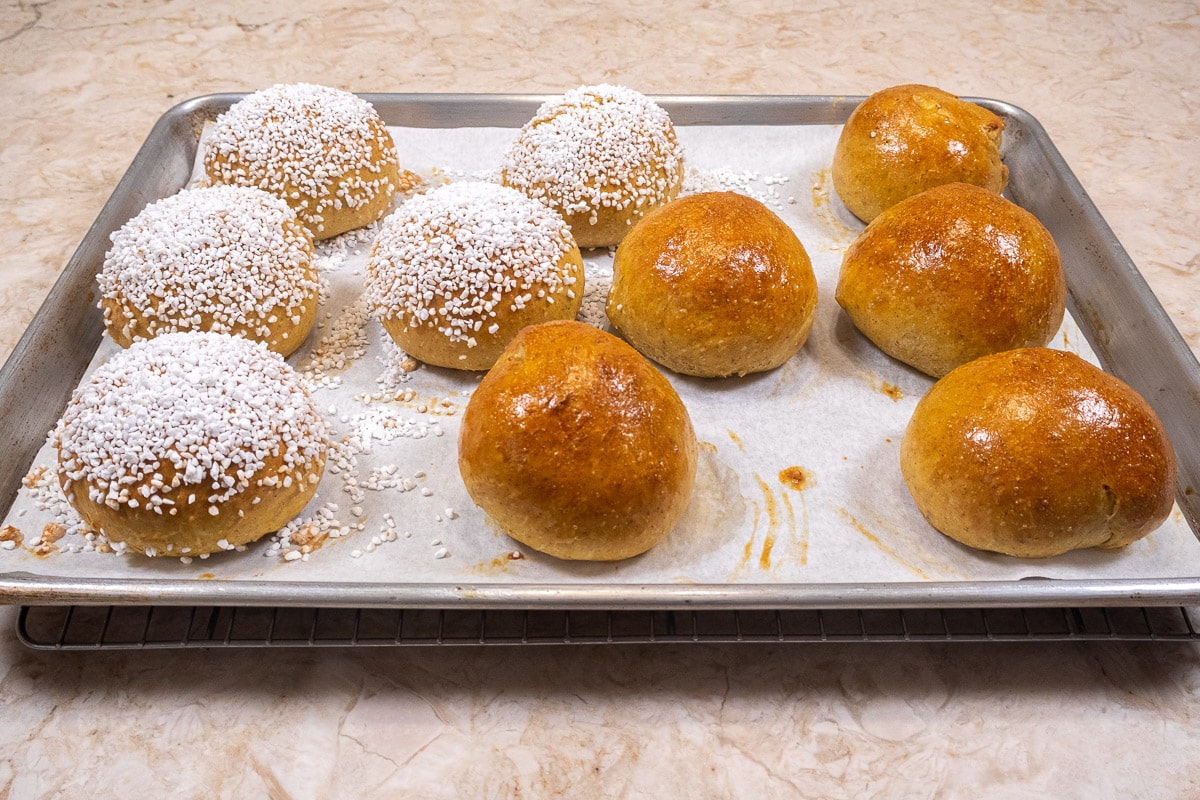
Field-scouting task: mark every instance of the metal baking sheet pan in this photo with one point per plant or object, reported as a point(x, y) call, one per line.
point(848, 540)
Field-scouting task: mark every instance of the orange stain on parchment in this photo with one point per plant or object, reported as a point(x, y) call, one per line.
point(772, 509)
point(891, 390)
point(764, 560)
point(748, 550)
point(498, 565)
point(772, 505)
point(801, 542)
point(737, 440)
point(875, 540)
point(822, 200)
point(820, 189)
point(781, 514)
point(797, 479)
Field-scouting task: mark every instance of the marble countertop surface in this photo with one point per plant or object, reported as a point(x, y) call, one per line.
point(1113, 83)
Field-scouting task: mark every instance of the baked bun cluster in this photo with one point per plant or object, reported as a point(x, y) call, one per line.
point(713, 284)
point(905, 139)
point(1035, 452)
point(577, 446)
point(190, 443)
point(952, 274)
point(456, 272)
point(229, 259)
point(324, 151)
point(199, 437)
point(602, 156)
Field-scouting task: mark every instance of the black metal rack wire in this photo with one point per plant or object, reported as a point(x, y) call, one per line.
point(76, 628)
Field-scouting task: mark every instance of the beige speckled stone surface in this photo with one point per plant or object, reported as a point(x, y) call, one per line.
point(1113, 83)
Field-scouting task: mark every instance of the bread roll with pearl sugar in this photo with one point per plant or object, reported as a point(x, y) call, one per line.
point(906, 139)
point(1035, 452)
point(602, 156)
point(457, 271)
point(323, 150)
point(713, 284)
point(577, 446)
point(190, 443)
point(229, 259)
point(953, 274)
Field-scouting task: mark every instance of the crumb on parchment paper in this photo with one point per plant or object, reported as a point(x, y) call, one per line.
point(35, 475)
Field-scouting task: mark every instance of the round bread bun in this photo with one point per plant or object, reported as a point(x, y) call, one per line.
point(906, 139)
point(1035, 452)
point(190, 443)
point(230, 259)
point(602, 156)
point(713, 284)
point(577, 446)
point(324, 151)
point(457, 271)
point(953, 274)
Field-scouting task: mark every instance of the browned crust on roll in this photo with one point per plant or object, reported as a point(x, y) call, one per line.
point(953, 274)
point(905, 139)
point(1036, 452)
point(713, 284)
point(577, 446)
point(193, 529)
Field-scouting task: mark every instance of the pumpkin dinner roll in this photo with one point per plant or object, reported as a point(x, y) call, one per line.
point(905, 139)
point(602, 156)
point(713, 284)
point(575, 445)
point(456, 272)
point(190, 443)
point(230, 259)
point(952, 274)
point(325, 151)
point(1034, 452)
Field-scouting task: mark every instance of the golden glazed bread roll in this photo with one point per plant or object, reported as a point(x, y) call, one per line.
point(1035, 452)
point(324, 151)
point(953, 274)
point(190, 443)
point(602, 156)
point(230, 259)
point(713, 284)
point(457, 271)
point(577, 446)
point(906, 139)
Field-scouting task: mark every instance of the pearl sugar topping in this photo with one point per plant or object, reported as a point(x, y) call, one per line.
point(213, 406)
point(595, 147)
point(453, 256)
point(312, 145)
point(233, 254)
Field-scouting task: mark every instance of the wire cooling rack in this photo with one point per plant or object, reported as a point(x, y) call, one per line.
point(176, 627)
